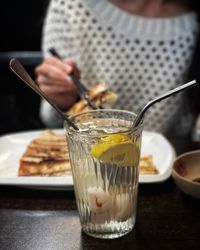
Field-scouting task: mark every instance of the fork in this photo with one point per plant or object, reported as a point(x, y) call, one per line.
point(80, 86)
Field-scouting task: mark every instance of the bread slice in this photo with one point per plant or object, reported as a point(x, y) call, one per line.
point(146, 165)
point(99, 94)
point(46, 155)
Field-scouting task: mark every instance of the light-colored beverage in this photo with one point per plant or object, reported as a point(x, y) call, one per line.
point(104, 157)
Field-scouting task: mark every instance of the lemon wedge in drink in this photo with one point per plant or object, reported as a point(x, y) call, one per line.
point(116, 149)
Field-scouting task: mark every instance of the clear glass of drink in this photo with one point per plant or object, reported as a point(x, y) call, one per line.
point(104, 156)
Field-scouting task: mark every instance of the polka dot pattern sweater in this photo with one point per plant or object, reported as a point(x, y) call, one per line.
point(138, 58)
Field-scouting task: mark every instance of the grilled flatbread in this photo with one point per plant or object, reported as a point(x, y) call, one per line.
point(146, 165)
point(46, 155)
point(98, 94)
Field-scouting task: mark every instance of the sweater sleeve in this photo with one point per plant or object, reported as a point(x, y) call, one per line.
point(55, 34)
point(49, 116)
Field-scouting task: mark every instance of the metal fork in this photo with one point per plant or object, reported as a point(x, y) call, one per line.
point(80, 86)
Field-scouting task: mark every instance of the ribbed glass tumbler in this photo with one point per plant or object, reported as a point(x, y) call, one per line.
point(104, 156)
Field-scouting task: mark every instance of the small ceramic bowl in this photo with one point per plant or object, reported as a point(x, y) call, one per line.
point(186, 173)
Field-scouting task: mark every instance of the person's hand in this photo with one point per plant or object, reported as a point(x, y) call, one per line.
point(52, 76)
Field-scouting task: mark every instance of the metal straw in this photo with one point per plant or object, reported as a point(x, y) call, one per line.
point(159, 98)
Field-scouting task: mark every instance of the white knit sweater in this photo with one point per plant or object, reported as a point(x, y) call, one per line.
point(138, 58)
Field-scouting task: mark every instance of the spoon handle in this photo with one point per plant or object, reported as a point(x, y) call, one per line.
point(161, 97)
point(20, 71)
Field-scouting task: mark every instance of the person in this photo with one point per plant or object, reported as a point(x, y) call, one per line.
point(139, 48)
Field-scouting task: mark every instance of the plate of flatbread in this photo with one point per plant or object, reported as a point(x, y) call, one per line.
point(39, 159)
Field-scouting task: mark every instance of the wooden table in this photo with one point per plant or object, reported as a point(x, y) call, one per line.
point(48, 220)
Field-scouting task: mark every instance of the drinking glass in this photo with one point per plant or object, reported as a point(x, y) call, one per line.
point(104, 155)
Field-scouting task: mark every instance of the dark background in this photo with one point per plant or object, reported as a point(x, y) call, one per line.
point(21, 28)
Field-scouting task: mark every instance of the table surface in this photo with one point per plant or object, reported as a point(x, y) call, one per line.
point(44, 220)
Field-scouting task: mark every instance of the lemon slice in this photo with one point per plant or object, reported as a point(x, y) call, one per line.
point(116, 149)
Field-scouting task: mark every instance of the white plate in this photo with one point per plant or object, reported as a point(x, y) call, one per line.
point(163, 154)
point(12, 146)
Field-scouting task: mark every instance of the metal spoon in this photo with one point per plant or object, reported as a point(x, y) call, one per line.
point(21, 72)
point(159, 98)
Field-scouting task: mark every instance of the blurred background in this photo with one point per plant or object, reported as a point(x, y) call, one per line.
point(21, 27)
